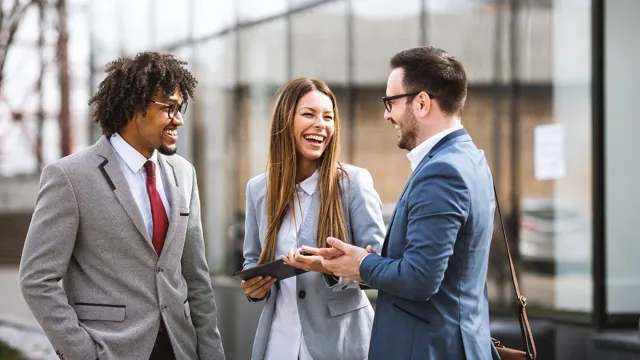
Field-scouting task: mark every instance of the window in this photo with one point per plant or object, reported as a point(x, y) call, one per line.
point(622, 168)
point(135, 17)
point(214, 138)
point(212, 16)
point(319, 49)
point(253, 10)
point(172, 22)
point(262, 71)
point(380, 29)
point(319, 43)
point(547, 189)
point(106, 36)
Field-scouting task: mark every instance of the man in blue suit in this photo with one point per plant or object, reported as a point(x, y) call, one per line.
point(432, 300)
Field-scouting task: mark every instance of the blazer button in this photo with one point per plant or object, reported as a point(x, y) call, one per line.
point(302, 294)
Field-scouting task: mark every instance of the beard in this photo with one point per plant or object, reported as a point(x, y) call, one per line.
point(164, 150)
point(408, 131)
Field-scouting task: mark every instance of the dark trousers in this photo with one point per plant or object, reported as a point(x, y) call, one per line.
point(162, 349)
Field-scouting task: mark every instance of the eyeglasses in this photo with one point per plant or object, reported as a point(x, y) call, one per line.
point(173, 109)
point(387, 99)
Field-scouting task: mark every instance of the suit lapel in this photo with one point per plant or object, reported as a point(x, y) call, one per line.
point(171, 181)
point(443, 143)
point(111, 171)
point(393, 215)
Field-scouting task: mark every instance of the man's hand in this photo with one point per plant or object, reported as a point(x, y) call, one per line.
point(257, 287)
point(327, 253)
point(347, 265)
point(330, 253)
point(304, 262)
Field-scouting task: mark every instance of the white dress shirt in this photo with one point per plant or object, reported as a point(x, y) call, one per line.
point(132, 165)
point(285, 339)
point(419, 152)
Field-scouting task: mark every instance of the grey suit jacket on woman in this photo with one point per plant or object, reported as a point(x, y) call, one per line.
point(336, 323)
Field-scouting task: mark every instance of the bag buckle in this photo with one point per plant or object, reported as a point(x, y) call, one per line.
point(523, 300)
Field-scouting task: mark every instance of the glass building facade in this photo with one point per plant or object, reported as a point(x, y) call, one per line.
point(555, 127)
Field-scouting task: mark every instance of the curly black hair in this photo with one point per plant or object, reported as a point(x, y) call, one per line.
point(130, 84)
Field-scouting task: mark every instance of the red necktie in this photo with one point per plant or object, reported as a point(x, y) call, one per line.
point(158, 213)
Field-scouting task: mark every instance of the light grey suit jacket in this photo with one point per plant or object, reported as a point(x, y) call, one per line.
point(336, 323)
point(87, 230)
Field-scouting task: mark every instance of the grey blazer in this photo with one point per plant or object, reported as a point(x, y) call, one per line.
point(87, 230)
point(336, 323)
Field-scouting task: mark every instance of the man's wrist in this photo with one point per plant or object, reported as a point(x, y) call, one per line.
point(362, 258)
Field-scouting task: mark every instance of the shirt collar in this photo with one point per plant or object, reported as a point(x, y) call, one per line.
point(418, 153)
point(134, 160)
point(310, 184)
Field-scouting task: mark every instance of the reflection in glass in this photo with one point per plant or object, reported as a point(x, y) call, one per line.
point(262, 71)
point(319, 49)
point(553, 213)
point(171, 22)
point(210, 17)
point(252, 10)
point(380, 29)
point(215, 144)
point(106, 35)
point(622, 168)
point(134, 18)
point(319, 43)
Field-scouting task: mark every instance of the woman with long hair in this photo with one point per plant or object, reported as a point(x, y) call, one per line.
point(304, 197)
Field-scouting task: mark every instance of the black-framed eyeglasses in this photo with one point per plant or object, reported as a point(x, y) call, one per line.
point(387, 99)
point(173, 109)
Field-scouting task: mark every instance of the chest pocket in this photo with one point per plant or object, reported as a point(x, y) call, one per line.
point(352, 300)
point(99, 312)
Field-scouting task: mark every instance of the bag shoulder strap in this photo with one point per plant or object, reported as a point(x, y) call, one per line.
point(523, 319)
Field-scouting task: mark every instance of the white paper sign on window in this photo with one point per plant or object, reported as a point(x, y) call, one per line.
point(549, 154)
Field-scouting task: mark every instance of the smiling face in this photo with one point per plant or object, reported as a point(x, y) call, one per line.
point(157, 130)
point(313, 125)
point(304, 139)
point(401, 115)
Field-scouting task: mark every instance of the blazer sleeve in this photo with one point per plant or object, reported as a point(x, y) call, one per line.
point(438, 205)
point(365, 217)
point(204, 312)
point(45, 257)
point(251, 247)
point(365, 212)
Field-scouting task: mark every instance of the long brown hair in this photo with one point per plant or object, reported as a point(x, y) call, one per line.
point(281, 170)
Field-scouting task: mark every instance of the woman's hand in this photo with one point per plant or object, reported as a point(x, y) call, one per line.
point(257, 287)
point(305, 262)
point(329, 253)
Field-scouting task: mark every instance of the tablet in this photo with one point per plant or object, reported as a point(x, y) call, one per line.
point(277, 269)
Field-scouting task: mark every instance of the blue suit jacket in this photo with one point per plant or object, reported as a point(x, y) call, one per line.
point(432, 300)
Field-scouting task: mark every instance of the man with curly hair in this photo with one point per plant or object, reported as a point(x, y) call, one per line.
point(119, 224)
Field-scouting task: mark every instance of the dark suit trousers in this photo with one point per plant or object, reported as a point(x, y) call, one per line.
point(162, 349)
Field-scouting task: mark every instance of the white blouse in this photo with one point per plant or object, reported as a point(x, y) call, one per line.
point(285, 339)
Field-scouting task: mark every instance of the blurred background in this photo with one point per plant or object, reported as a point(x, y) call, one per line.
point(552, 89)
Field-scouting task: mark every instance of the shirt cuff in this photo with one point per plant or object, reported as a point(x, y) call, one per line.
point(363, 259)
